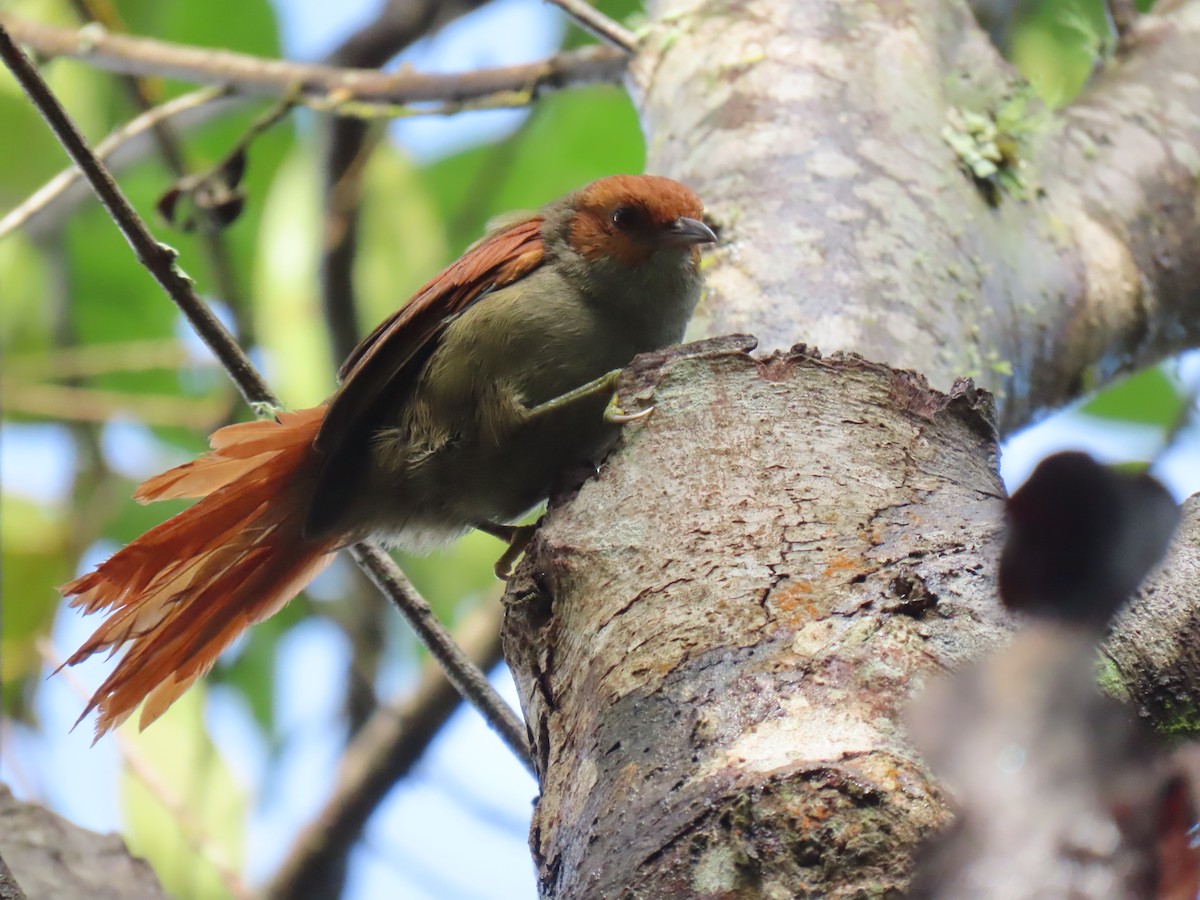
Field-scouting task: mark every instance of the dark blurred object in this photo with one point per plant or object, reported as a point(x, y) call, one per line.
point(1060, 790)
point(212, 199)
point(1081, 537)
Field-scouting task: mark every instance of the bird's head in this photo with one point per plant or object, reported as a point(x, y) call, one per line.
point(630, 218)
point(631, 242)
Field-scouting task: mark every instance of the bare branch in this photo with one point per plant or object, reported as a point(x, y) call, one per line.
point(322, 87)
point(159, 260)
point(597, 23)
point(89, 360)
point(147, 121)
point(80, 404)
point(145, 96)
point(385, 750)
point(52, 857)
point(463, 674)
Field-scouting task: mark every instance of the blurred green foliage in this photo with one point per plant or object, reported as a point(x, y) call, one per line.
point(70, 283)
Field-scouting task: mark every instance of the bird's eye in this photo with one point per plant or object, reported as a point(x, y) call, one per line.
point(626, 218)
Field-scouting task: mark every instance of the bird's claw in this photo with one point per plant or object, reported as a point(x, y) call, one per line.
point(614, 415)
point(518, 537)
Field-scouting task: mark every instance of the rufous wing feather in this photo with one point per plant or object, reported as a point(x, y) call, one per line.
point(183, 591)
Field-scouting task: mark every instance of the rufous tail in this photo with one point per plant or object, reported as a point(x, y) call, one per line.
point(181, 593)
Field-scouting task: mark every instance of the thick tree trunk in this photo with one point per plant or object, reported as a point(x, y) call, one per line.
point(716, 638)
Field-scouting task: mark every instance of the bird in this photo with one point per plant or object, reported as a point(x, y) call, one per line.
point(459, 411)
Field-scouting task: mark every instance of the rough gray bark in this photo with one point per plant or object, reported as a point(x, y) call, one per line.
point(816, 133)
point(50, 857)
point(715, 639)
point(713, 648)
point(1153, 653)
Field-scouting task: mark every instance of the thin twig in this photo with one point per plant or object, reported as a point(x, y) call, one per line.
point(598, 24)
point(158, 259)
point(90, 360)
point(384, 751)
point(145, 96)
point(71, 403)
point(463, 674)
point(160, 262)
point(322, 87)
point(60, 183)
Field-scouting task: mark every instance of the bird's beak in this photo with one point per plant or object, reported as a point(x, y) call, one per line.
point(684, 231)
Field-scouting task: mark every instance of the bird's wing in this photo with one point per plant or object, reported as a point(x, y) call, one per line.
point(389, 357)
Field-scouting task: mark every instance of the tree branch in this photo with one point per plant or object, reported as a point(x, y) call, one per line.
point(160, 262)
point(598, 24)
point(52, 857)
point(9, 889)
point(321, 86)
point(144, 98)
point(463, 674)
point(399, 24)
point(147, 121)
point(157, 258)
point(384, 751)
point(72, 403)
point(712, 685)
point(851, 220)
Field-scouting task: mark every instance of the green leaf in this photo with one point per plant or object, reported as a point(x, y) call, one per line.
point(1058, 44)
point(287, 309)
point(28, 319)
point(402, 236)
point(32, 561)
point(183, 808)
point(207, 24)
point(1149, 397)
point(29, 154)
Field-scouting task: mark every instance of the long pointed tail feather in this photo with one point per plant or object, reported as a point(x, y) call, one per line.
point(183, 591)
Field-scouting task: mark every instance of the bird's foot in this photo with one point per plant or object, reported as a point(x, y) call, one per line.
point(614, 415)
point(517, 537)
